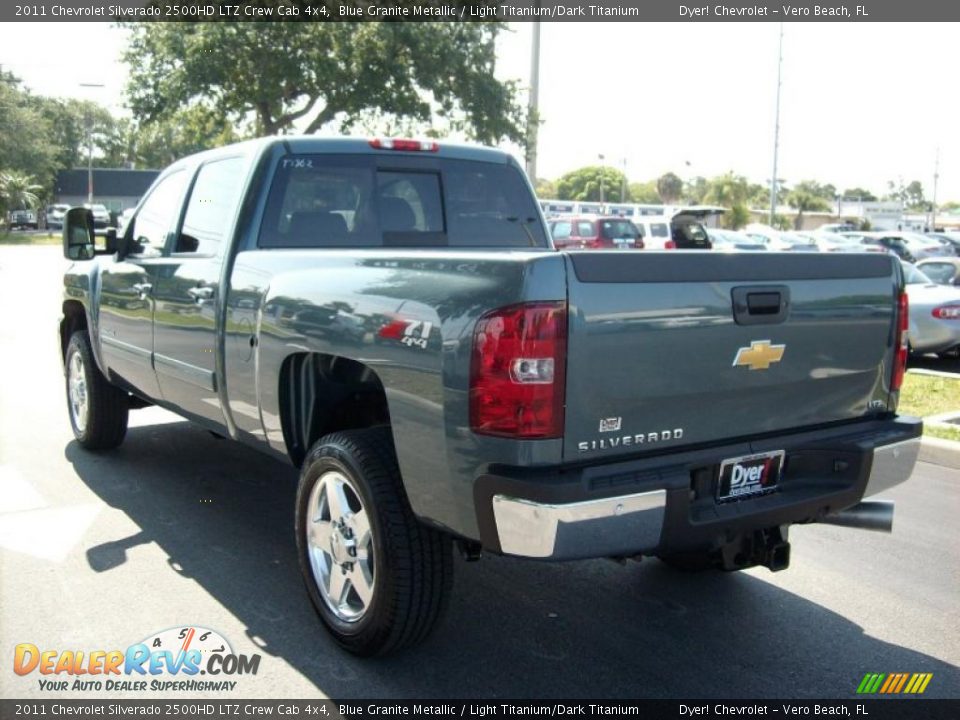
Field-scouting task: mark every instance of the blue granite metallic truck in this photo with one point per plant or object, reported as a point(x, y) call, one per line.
point(391, 317)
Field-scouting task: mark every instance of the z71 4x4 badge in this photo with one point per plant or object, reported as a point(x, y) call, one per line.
point(412, 333)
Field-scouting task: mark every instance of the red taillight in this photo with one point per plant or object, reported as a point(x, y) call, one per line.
point(947, 312)
point(518, 371)
point(900, 343)
point(407, 145)
point(669, 245)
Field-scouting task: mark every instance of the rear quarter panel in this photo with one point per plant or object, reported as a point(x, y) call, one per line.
point(286, 298)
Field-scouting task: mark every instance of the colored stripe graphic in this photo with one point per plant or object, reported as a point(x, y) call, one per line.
point(894, 683)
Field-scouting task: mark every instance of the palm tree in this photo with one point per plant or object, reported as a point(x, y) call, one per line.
point(803, 201)
point(17, 190)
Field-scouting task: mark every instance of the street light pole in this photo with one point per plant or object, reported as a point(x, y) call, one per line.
point(936, 179)
point(533, 107)
point(601, 158)
point(623, 183)
point(89, 124)
point(776, 134)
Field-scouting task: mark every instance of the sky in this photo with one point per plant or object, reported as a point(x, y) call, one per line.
point(861, 103)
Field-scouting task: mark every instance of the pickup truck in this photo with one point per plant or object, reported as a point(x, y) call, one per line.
point(390, 317)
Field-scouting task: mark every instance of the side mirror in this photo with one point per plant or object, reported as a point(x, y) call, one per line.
point(78, 234)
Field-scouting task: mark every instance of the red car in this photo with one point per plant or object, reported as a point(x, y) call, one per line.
point(591, 232)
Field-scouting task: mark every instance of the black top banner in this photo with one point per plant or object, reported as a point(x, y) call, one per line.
point(476, 10)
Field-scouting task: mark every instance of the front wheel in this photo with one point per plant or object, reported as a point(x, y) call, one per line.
point(378, 578)
point(98, 410)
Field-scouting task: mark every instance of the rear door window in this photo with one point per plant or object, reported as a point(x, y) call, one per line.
point(615, 229)
point(561, 230)
point(374, 201)
point(659, 230)
point(585, 229)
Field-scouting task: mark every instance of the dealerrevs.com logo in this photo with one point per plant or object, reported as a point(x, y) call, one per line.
point(170, 660)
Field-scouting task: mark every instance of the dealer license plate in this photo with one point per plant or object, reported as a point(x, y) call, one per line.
point(749, 475)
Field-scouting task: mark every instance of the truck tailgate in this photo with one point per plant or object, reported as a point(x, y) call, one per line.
point(672, 349)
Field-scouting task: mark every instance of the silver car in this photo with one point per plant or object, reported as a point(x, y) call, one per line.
point(934, 314)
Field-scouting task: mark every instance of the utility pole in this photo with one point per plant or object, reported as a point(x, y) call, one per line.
point(602, 167)
point(776, 134)
point(89, 127)
point(533, 119)
point(936, 179)
point(623, 183)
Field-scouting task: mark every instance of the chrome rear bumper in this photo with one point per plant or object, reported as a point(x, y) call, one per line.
point(892, 464)
point(594, 528)
point(633, 524)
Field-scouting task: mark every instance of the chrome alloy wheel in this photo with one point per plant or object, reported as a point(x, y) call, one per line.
point(340, 546)
point(77, 388)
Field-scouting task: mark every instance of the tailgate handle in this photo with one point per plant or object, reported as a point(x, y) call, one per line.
point(760, 305)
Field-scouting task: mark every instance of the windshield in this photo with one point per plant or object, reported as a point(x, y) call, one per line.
point(914, 276)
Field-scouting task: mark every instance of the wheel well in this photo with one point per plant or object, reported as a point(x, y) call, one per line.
point(321, 394)
point(74, 318)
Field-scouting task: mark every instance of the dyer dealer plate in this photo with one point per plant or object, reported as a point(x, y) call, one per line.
point(749, 475)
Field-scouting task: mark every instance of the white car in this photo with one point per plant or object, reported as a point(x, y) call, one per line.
point(934, 314)
point(101, 216)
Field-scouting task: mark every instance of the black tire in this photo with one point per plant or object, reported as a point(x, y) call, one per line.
point(412, 565)
point(105, 422)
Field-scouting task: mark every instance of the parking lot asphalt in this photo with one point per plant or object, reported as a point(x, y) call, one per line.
point(177, 528)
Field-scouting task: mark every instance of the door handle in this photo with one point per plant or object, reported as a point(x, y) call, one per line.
point(143, 289)
point(204, 292)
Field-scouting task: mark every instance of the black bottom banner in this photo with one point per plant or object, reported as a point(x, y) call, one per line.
point(873, 709)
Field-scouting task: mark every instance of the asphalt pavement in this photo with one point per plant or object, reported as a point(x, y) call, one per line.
point(177, 528)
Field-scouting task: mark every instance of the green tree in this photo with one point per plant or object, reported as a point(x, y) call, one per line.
point(644, 193)
point(858, 193)
point(586, 183)
point(324, 74)
point(669, 187)
point(914, 197)
point(951, 206)
point(732, 192)
point(545, 188)
point(18, 190)
point(805, 198)
point(25, 143)
point(695, 190)
point(74, 126)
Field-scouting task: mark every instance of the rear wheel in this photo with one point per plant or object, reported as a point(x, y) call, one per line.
point(378, 578)
point(98, 410)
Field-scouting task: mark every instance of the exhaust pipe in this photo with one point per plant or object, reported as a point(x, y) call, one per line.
point(869, 515)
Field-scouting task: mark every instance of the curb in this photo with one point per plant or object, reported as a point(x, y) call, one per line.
point(940, 452)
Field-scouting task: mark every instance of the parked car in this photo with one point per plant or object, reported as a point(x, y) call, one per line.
point(55, 215)
point(950, 245)
point(943, 271)
point(834, 242)
point(780, 240)
point(101, 216)
point(836, 227)
point(934, 314)
point(656, 232)
point(595, 233)
point(23, 218)
point(731, 240)
point(906, 245)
